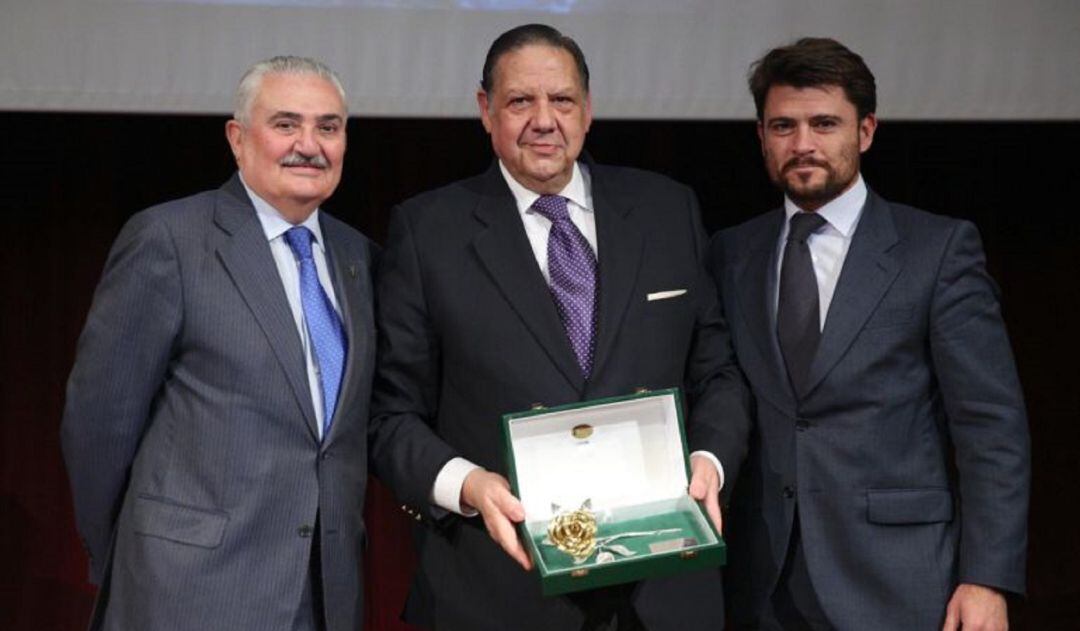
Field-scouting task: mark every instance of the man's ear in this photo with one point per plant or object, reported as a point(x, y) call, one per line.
point(867, 127)
point(234, 132)
point(484, 104)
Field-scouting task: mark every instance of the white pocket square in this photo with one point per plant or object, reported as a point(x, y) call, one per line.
point(662, 295)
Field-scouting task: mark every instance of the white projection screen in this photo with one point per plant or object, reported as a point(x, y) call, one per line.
point(650, 59)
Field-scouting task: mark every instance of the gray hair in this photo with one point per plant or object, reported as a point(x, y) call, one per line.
point(282, 64)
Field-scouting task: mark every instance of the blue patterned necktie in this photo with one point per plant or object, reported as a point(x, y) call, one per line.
point(572, 268)
point(323, 325)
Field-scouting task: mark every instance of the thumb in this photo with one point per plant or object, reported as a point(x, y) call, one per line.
point(698, 487)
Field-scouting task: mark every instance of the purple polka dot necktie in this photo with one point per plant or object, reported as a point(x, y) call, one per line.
point(572, 269)
point(324, 327)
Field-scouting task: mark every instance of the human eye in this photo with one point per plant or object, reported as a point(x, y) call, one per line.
point(563, 100)
point(329, 128)
point(284, 125)
point(781, 126)
point(518, 101)
point(826, 124)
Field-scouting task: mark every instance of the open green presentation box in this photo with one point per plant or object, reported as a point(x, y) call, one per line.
point(620, 465)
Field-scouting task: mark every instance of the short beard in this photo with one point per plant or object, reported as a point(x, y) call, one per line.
point(813, 198)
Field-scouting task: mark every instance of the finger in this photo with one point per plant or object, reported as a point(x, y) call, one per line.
point(698, 487)
point(712, 508)
point(505, 535)
point(509, 506)
point(703, 478)
point(952, 617)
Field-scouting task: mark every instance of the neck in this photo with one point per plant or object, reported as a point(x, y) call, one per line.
point(551, 186)
point(296, 215)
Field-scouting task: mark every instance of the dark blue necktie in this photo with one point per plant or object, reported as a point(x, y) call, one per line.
point(572, 268)
point(323, 324)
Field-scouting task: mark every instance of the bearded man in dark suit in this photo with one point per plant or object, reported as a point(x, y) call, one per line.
point(887, 484)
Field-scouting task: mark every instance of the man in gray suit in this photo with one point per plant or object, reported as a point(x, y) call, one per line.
point(215, 429)
point(887, 482)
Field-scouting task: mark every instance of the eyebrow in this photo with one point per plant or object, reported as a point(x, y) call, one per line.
point(322, 118)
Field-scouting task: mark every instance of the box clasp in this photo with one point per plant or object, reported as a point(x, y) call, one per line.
point(641, 390)
point(582, 431)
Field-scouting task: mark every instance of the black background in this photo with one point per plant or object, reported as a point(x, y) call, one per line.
point(69, 181)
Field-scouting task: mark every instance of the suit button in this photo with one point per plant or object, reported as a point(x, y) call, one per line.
point(305, 531)
point(789, 492)
point(802, 425)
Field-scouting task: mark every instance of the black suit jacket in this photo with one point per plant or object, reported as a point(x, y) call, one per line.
point(908, 451)
point(469, 332)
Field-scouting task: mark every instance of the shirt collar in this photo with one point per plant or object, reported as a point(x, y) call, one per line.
point(575, 189)
point(843, 212)
point(274, 224)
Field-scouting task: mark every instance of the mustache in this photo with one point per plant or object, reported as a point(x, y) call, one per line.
point(795, 163)
point(296, 159)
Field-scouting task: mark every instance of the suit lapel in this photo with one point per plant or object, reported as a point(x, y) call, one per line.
point(505, 252)
point(756, 280)
point(247, 258)
point(352, 285)
point(619, 246)
point(869, 270)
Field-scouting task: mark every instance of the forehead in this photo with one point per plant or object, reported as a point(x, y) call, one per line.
point(298, 93)
point(536, 65)
point(786, 100)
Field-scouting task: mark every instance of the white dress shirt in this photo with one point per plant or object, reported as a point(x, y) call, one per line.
point(829, 245)
point(446, 492)
point(275, 226)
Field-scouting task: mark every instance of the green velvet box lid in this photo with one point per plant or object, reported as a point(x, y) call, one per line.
point(625, 458)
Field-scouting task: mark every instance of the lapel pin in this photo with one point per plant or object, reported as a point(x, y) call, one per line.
point(352, 270)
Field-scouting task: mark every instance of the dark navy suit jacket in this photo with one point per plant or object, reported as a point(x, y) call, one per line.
point(907, 453)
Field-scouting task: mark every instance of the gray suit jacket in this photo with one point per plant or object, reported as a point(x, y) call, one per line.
point(469, 331)
point(189, 433)
point(907, 453)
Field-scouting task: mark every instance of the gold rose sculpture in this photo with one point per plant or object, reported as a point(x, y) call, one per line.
point(574, 533)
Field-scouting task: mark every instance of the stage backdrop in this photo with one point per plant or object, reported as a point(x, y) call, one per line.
point(662, 59)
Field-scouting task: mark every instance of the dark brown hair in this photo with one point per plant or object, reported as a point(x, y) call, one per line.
point(814, 62)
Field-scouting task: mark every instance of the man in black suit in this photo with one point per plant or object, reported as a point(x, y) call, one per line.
point(887, 482)
point(546, 279)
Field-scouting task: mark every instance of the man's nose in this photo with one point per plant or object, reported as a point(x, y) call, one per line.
point(803, 142)
point(306, 143)
point(544, 116)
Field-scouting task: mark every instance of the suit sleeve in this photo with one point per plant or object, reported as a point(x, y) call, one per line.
point(406, 453)
point(121, 360)
point(716, 391)
point(987, 422)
